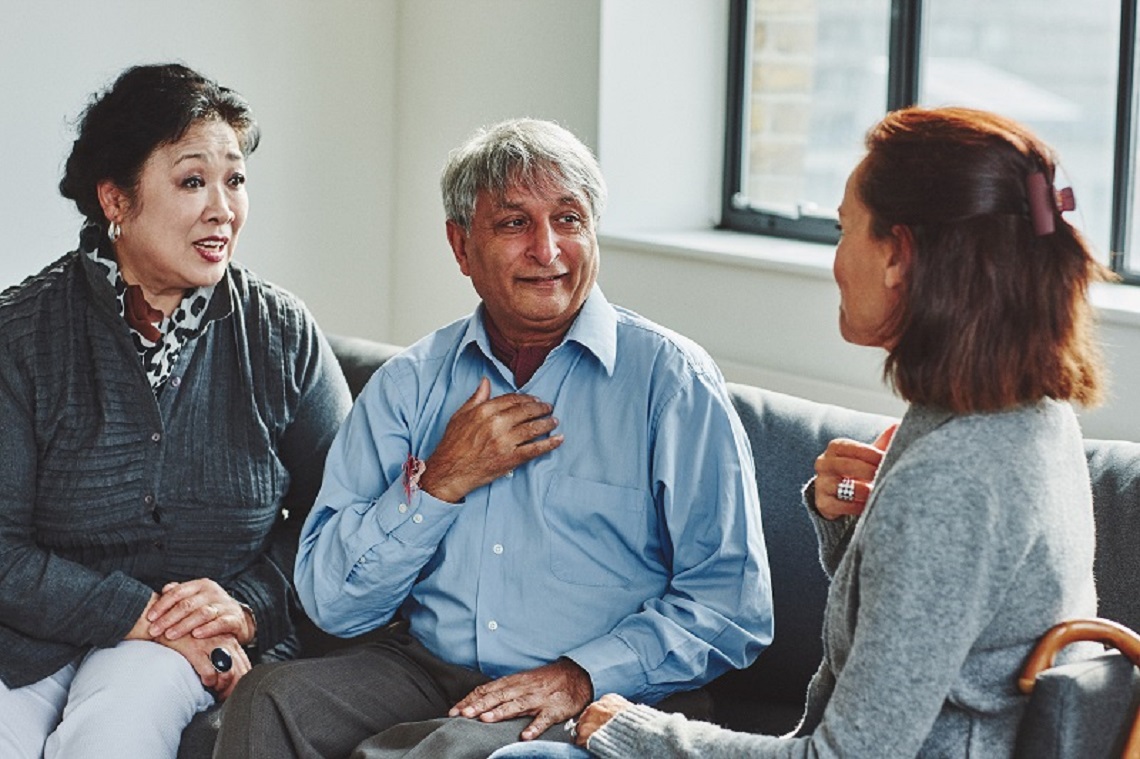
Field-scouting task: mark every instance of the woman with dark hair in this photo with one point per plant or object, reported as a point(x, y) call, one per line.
point(166, 414)
point(977, 535)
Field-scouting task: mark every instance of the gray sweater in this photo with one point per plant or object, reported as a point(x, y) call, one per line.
point(978, 537)
point(107, 493)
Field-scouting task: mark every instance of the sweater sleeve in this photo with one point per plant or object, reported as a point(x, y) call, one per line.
point(43, 595)
point(643, 731)
point(933, 564)
point(324, 401)
point(834, 535)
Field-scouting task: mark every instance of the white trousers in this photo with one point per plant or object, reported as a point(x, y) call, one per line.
point(132, 700)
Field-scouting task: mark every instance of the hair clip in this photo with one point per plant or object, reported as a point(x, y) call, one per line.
point(1045, 202)
point(1066, 200)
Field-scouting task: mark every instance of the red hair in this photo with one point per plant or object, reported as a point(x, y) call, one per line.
point(991, 314)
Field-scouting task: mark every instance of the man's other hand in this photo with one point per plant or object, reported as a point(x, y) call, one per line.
point(551, 693)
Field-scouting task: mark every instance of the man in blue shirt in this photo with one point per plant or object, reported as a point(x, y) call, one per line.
point(553, 497)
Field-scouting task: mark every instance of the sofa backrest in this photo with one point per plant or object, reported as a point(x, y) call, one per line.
point(359, 358)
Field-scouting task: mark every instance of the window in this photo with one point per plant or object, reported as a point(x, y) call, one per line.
point(808, 78)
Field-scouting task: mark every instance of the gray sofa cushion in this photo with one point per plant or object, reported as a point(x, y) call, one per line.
point(1081, 710)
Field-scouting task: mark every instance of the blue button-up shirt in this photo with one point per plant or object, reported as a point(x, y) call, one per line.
point(635, 548)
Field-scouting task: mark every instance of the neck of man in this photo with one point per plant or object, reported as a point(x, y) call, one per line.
point(523, 358)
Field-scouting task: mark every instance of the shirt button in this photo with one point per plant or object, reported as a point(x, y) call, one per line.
point(148, 499)
point(511, 473)
point(497, 548)
point(492, 625)
point(403, 508)
point(175, 381)
point(156, 437)
point(418, 518)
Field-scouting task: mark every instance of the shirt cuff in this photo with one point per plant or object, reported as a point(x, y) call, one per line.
point(420, 521)
point(613, 666)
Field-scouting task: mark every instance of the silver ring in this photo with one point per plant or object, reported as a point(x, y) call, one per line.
point(846, 489)
point(571, 727)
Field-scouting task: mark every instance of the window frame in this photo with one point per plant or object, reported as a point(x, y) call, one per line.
point(903, 77)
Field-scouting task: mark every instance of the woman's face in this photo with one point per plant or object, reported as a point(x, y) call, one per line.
point(868, 271)
point(182, 227)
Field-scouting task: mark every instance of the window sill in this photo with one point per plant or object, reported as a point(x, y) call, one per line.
point(1115, 303)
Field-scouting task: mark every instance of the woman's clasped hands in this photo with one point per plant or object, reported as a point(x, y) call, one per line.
point(197, 617)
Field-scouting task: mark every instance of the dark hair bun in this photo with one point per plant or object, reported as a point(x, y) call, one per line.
point(146, 107)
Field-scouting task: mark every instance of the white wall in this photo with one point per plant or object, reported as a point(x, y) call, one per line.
point(662, 97)
point(320, 77)
point(465, 64)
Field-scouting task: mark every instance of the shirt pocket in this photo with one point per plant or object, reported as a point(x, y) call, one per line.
point(597, 531)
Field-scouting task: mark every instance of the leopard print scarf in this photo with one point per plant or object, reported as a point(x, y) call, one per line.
point(158, 345)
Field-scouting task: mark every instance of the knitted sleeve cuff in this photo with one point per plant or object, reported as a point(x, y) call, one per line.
point(833, 534)
point(626, 734)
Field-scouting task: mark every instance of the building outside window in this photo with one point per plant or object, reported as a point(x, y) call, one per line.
point(809, 77)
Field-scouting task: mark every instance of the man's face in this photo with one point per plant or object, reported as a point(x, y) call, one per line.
point(532, 256)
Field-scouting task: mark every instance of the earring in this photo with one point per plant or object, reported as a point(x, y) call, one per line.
point(114, 231)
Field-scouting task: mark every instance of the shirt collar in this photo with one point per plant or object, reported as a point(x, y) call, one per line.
point(595, 329)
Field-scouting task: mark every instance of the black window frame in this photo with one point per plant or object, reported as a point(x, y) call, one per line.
point(904, 60)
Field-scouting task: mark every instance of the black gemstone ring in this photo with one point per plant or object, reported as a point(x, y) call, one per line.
point(221, 659)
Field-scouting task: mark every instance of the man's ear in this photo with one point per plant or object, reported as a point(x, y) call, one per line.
point(902, 254)
point(457, 238)
point(113, 200)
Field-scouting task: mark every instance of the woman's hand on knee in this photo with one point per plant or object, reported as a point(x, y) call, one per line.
point(200, 653)
point(201, 608)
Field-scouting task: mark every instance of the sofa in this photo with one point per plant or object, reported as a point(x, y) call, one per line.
point(787, 434)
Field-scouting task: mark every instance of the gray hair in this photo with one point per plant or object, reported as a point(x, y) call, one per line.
point(529, 152)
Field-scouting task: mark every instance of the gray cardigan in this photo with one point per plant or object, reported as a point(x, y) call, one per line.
point(978, 537)
point(107, 493)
